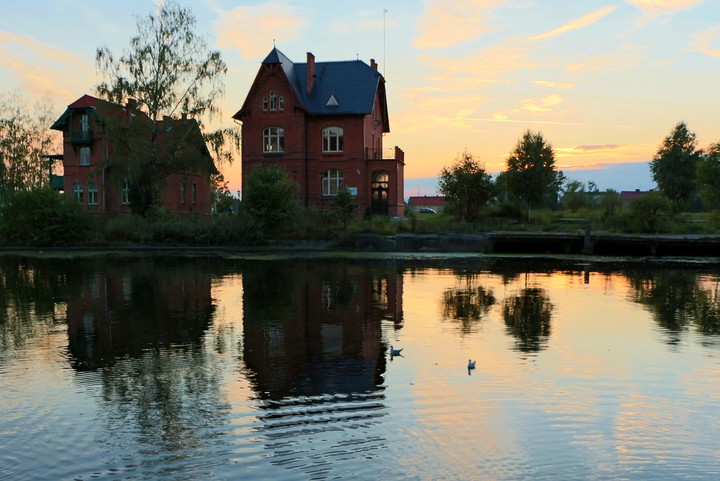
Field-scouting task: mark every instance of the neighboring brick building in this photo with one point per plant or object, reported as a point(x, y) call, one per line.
point(88, 178)
point(323, 122)
point(434, 202)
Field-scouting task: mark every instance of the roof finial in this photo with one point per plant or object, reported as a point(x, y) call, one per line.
point(273, 43)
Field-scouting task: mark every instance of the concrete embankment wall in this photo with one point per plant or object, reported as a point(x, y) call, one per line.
point(554, 243)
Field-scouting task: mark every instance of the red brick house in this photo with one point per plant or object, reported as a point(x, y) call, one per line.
point(323, 122)
point(87, 176)
point(434, 202)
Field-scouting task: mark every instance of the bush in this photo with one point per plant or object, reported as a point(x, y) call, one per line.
point(42, 217)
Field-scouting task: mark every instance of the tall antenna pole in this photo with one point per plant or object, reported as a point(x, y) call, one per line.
point(384, 68)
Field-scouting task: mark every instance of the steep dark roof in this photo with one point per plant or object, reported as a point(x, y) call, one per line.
point(352, 83)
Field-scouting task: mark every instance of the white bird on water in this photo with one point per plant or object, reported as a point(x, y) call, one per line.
point(395, 352)
point(471, 364)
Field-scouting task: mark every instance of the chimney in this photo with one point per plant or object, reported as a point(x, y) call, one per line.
point(184, 116)
point(131, 104)
point(373, 64)
point(310, 73)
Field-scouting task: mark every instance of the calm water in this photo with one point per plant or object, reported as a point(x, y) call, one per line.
point(173, 368)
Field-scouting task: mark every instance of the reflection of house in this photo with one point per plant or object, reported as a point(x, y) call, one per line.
point(87, 147)
point(434, 202)
point(127, 307)
point(320, 331)
point(323, 122)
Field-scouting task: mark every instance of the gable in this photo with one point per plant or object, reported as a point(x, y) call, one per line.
point(337, 88)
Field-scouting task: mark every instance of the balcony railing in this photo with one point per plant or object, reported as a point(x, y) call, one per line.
point(390, 153)
point(81, 137)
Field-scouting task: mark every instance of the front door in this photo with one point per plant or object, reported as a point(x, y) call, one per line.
point(379, 193)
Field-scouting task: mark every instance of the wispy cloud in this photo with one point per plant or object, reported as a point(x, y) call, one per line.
point(449, 22)
point(38, 65)
point(577, 23)
point(708, 42)
point(659, 7)
point(252, 30)
point(559, 85)
point(544, 104)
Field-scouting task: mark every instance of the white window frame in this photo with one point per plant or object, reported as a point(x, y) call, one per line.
point(85, 154)
point(125, 193)
point(92, 194)
point(78, 192)
point(273, 100)
point(183, 192)
point(265, 103)
point(332, 139)
point(332, 182)
point(84, 122)
point(273, 140)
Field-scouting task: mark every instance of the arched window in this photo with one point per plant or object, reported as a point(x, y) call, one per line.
point(273, 100)
point(332, 182)
point(273, 139)
point(332, 139)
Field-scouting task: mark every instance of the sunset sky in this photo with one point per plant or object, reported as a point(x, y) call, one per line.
point(604, 81)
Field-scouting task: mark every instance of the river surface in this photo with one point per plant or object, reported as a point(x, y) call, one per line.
point(163, 367)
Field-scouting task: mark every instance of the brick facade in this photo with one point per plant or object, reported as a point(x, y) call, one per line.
point(309, 104)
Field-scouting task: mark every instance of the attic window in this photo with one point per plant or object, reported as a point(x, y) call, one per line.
point(332, 101)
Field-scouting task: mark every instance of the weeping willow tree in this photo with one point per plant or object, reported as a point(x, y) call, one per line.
point(167, 73)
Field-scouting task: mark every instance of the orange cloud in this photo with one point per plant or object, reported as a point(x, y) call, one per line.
point(542, 105)
point(658, 7)
point(252, 30)
point(37, 66)
point(449, 22)
point(708, 42)
point(560, 85)
point(577, 23)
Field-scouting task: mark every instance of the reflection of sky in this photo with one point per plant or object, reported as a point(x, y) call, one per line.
point(603, 392)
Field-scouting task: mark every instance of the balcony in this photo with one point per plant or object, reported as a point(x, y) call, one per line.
point(392, 153)
point(81, 137)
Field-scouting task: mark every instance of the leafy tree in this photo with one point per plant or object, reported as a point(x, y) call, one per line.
point(24, 140)
point(269, 196)
point(467, 186)
point(168, 70)
point(222, 199)
point(708, 176)
point(674, 165)
point(344, 206)
point(576, 197)
point(531, 176)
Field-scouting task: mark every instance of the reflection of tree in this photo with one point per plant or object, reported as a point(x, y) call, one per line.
point(31, 295)
point(467, 305)
point(165, 399)
point(679, 299)
point(527, 317)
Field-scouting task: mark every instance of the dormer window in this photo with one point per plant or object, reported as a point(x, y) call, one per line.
point(332, 138)
point(332, 101)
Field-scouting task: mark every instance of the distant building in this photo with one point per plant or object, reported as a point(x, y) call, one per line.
point(86, 148)
point(323, 122)
point(627, 196)
point(434, 202)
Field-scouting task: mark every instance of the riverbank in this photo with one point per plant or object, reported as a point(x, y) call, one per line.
point(491, 243)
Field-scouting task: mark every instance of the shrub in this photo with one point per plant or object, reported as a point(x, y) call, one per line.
point(42, 217)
